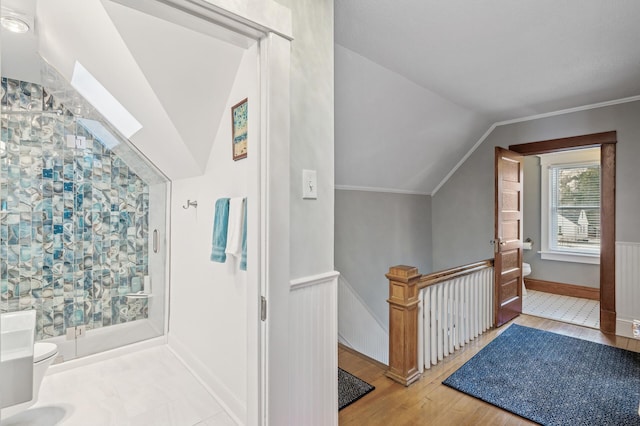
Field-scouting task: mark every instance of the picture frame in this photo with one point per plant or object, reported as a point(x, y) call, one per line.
point(239, 125)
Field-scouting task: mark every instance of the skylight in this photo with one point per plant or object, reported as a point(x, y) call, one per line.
point(99, 132)
point(104, 102)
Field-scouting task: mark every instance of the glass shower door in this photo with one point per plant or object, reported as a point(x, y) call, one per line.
point(82, 220)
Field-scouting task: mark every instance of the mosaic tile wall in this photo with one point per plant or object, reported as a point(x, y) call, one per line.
point(73, 219)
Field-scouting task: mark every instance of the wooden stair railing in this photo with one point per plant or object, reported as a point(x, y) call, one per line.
point(405, 282)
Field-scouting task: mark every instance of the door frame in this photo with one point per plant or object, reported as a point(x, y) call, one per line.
point(606, 141)
point(268, 191)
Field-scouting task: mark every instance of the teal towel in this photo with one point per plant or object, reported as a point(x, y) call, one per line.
point(243, 259)
point(219, 238)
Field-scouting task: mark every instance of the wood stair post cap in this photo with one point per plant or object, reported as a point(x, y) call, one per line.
point(403, 273)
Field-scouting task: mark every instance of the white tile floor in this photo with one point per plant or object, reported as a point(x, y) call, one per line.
point(150, 387)
point(569, 309)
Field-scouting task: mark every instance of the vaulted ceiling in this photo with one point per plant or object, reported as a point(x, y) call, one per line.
point(418, 82)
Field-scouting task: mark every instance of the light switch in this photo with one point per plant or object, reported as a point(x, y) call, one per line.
point(309, 184)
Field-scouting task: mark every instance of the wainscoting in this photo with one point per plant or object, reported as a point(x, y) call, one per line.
point(358, 328)
point(313, 355)
point(627, 286)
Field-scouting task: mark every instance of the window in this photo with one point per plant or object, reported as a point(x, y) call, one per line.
point(570, 199)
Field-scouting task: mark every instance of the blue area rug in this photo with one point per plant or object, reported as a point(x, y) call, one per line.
point(350, 388)
point(553, 379)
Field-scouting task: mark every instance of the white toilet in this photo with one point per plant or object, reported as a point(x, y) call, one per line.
point(44, 354)
point(17, 346)
point(526, 270)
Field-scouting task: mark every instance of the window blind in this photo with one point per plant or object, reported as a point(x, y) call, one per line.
point(575, 207)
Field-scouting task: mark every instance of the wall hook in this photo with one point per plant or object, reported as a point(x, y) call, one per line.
point(190, 204)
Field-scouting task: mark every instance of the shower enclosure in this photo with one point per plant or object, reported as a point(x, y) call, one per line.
point(83, 217)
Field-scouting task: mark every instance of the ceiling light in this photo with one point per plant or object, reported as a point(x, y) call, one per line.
point(14, 24)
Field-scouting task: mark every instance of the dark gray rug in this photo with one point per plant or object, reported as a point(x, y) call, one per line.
point(553, 379)
point(350, 388)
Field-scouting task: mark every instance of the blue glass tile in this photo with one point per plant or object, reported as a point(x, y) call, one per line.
point(13, 234)
point(58, 254)
point(25, 253)
point(13, 255)
point(13, 172)
point(69, 308)
point(67, 172)
point(57, 242)
point(64, 235)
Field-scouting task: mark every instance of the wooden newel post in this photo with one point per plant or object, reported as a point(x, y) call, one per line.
point(403, 324)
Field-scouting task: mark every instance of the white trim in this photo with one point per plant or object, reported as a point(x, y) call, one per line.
point(593, 259)
point(374, 189)
point(110, 354)
point(628, 243)
point(623, 328)
point(274, 232)
point(272, 17)
point(312, 280)
point(467, 155)
point(530, 118)
point(570, 110)
point(344, 341)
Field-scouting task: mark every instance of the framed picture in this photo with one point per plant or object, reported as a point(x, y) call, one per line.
point(239, 129)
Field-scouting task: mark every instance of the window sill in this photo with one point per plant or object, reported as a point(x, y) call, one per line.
point(593, 259)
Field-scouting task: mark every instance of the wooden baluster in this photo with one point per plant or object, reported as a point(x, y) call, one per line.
point(403, 324)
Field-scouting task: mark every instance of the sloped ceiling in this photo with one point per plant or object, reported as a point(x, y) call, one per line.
point(494, 60)
point(192, 84)
point(173, 79)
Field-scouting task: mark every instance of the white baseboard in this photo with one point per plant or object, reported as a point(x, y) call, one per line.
point(623, 328)
point(344, 341)
point(234, 407)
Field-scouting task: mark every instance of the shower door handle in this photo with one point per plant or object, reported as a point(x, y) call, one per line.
point(155, 240)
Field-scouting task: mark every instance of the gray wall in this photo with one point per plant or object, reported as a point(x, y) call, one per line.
point(312, 129)
point(548, 270)
point(463, 209)
point(377, 230)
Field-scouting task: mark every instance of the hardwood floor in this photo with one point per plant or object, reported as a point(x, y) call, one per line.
point(428, 401)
